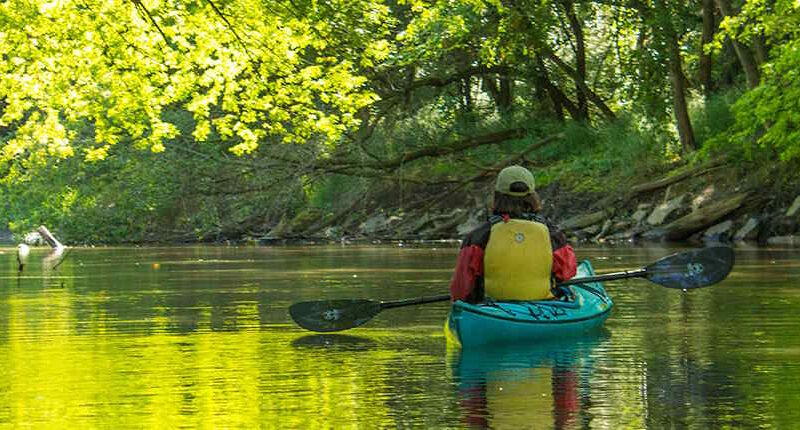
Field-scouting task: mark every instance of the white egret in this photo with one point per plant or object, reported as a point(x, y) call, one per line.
point(22, 255)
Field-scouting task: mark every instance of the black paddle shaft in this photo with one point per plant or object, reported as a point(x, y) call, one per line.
point(415, 301)
point(639, 273)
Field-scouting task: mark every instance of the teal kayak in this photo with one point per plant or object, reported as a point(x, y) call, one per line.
point(491, 322)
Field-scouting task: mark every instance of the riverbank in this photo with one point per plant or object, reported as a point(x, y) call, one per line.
point(689, 202)
point(712, 200)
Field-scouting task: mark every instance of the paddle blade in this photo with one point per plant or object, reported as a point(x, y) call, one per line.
point(333, 315)
point(693, 269)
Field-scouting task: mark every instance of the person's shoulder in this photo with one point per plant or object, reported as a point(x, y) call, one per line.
point(557, 236)
point(550, 224)
point(479, 235)
point(541, 219)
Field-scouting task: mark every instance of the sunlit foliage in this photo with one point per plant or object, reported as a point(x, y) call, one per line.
point(768, 117)
point(111, 68)
point(211, 118)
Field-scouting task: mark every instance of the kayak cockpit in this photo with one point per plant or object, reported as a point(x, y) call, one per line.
point(494, 322)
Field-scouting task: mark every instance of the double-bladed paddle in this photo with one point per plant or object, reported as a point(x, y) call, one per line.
point(685, 271)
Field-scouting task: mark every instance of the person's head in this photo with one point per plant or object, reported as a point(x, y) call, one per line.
point(515, 193)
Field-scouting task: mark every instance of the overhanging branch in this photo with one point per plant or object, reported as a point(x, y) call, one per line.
point(429, 151)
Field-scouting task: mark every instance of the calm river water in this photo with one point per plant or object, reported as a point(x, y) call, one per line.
point(201, 337)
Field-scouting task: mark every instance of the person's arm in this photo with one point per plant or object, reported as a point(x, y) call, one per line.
point(564, 264)
point(467, 281)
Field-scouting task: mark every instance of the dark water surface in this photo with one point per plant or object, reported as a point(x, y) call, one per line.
point(200, 336)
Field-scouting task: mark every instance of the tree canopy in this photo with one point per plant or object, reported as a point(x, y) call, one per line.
point(230, 104)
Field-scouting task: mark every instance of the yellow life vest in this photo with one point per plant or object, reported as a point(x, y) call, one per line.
point(517, 261)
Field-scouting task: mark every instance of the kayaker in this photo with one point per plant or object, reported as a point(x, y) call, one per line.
point(517, 254)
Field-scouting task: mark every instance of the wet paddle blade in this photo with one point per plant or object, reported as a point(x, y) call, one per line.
point(333, 315)
point(693, 269)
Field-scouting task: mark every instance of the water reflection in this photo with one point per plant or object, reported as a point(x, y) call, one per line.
point(201, 337)
point(542, 385)
point(336, 342)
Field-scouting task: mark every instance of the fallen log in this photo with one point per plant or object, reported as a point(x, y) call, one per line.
point(684, 173)
point(49, 238)
point(680, 175)
point(586, 220)
point(52, 260)
point(702, 218)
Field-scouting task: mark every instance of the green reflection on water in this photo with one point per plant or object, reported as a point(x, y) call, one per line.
point(200, 337)
point(545, 385)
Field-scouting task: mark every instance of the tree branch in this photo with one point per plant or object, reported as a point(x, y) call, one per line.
point(429, 151)
point(608, 113)
point(429, 202)
point(437, 81)
point(149, 17)
point(230, 27)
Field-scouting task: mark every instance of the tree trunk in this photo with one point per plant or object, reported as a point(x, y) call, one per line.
point(746, 57)
point(748, 62)
point(559, 99)
point(543, 98)
point(500, 92)
point(730, 64)
point(593, 97)
point(580, 83)
point(506, 96)
point(761, 50)
point(678, 81)
point(705, 39)
point(561, 102)
point(580, 59)
point(558, 110)
point(490, 86)
point(411, 71)
point(467, 89)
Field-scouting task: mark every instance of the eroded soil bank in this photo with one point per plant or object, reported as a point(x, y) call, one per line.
point(710, 201)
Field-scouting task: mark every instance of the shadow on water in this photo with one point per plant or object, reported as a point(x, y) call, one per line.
point(334, 342)
point(526, 386)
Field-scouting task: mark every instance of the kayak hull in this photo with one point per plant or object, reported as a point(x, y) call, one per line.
point(509, 323)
